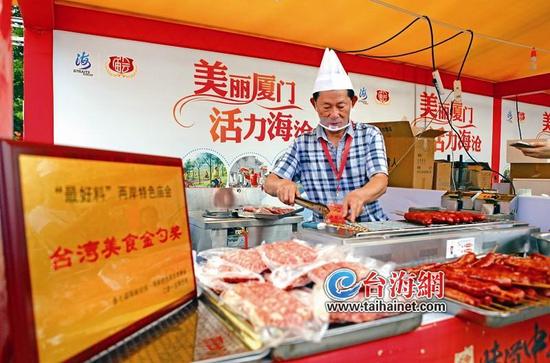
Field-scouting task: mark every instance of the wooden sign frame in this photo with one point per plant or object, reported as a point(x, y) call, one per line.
point(19, 344)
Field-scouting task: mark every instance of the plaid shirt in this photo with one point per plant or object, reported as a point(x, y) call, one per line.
point(306, 163)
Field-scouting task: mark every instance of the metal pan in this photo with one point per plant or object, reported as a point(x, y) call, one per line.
point(342, 336)
point(245, 214)
point(337, 336)
point(220, 213)
point(496, 319)
point(542, 242)
point(192, 332)
point(239, 326)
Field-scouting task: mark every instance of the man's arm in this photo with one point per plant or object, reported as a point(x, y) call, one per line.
point(355, 201)
point(283, 189)
point(540, 150)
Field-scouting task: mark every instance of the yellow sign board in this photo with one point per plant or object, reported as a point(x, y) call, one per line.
point(108, 245)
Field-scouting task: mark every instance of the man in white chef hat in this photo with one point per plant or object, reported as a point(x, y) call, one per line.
point(340, 161)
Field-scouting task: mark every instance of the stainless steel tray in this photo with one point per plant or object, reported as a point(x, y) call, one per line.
point(192, 332)
point(244, 214)
point(542, 242)
point(334, 338)
point(495, 319)
point(239, 326)
point(342, 336)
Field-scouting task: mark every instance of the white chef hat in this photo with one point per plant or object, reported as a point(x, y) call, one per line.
point(331, 76)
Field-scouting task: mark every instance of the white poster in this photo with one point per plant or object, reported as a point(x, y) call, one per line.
point(472, 120)
point(229, 117)
point(534, 123)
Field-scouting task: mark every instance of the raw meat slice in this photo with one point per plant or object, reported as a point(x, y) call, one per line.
point(319, 274)
point(287, 253)
point(249, 259)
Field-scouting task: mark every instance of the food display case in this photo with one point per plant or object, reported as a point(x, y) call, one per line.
point(408, 244)
point(165, 316)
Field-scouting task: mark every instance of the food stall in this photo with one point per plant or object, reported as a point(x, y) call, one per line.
point(114, 241)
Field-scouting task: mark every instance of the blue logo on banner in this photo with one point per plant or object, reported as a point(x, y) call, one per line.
point(509, 116)
point(363, 93)
point(342, 285)
point(83, 60)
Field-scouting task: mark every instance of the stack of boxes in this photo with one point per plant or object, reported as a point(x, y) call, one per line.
point(410, 153)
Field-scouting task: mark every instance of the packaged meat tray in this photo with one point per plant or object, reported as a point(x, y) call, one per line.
point(335, 337)
point(275, 314)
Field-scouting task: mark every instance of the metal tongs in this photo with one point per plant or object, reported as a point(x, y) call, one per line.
point(323, 210)
point(316, 207)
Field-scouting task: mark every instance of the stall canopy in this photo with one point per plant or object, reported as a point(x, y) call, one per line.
point(510, 54)
point(504, 31)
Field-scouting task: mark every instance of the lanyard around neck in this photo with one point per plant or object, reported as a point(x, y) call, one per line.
point(337, 173)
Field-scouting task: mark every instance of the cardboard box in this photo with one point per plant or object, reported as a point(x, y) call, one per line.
point(410, 154)
point(442, 175)
point(530, 171)
point(481, 179)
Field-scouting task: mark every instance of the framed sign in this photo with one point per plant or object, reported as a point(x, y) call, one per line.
point(96, 245)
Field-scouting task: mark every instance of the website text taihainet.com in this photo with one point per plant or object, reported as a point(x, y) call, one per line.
point(389, 306)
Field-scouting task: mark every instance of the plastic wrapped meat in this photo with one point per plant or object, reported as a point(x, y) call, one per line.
point(266, 306)
point(319, 274)
point(248, 259)
point(287, 253)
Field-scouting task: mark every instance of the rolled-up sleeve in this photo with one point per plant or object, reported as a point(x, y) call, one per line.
point(377, 161)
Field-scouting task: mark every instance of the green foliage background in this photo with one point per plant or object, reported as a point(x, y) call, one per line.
point(17, 80)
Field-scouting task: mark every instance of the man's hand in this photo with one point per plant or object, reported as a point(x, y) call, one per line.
point(284, 189)
point(287, 191)
point(541, 150)
point(354, 202)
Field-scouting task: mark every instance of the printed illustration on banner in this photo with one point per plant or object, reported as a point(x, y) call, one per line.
point(205, 168)
point(382, 96)
point(83, 64)
point(236, 124)
point(249, 170)
point(363, 95)
point(521, 116)
point(545, 132)
point(120, 66)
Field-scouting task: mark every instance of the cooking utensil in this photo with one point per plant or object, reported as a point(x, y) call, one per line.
point(316, 207)
point(244, 214)
point(322, 209)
